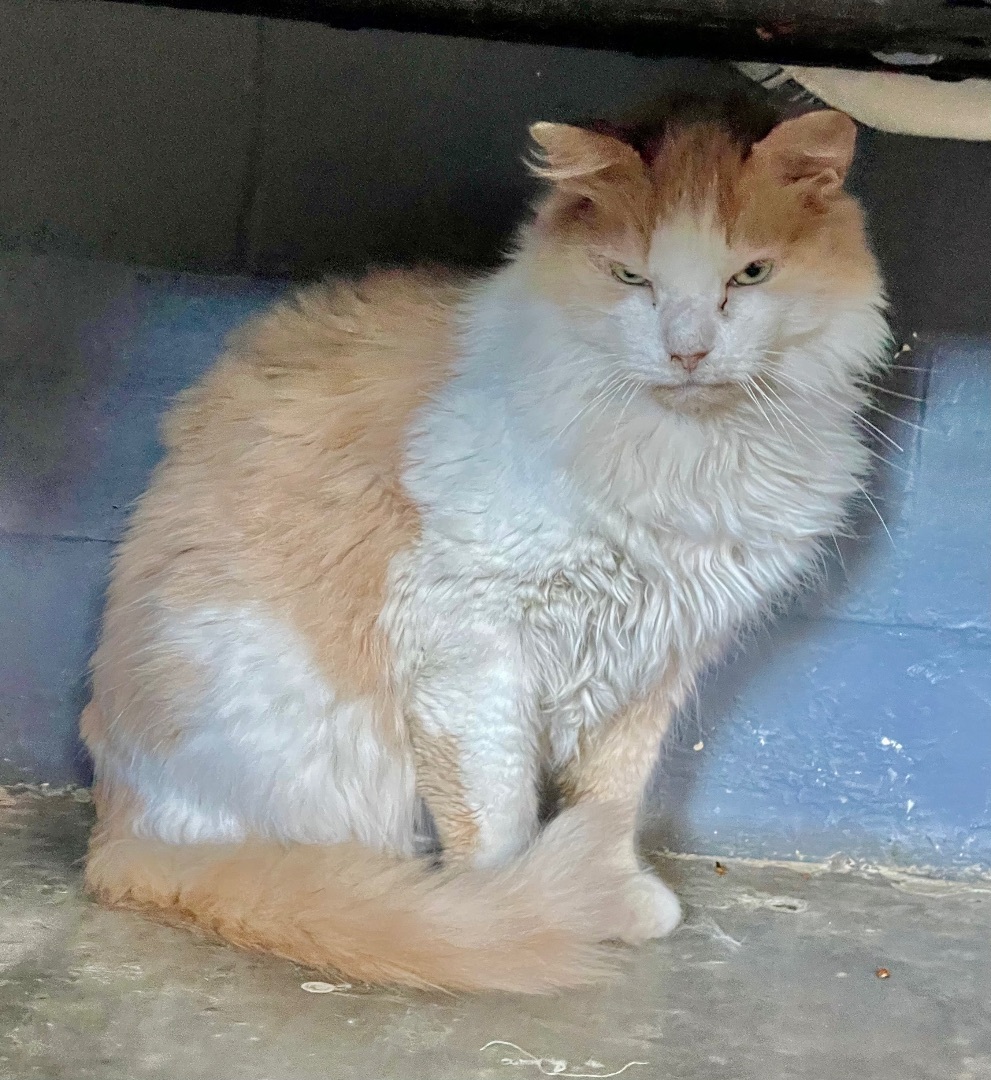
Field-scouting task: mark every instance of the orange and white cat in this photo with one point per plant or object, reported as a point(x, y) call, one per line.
point(420, 542)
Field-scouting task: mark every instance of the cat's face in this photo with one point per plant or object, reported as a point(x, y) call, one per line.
point(692, 270)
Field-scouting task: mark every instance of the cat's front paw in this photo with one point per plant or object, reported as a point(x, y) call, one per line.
point(653, 910)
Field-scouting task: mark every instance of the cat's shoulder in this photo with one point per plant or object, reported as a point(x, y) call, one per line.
point(376, 345)
point(337, 325)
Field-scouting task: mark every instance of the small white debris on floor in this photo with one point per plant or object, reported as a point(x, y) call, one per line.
point(711, 929)
point(699, 745)
point(791, 904)
point(557, 1066)
point(324, 987)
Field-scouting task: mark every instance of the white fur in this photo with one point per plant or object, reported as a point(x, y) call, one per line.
point(581, 542)
point(267, 750)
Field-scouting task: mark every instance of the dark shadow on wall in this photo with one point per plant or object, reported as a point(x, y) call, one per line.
point(928, 204)
point(401, 148)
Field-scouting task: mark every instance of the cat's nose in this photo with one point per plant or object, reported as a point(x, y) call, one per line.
point(689, 361)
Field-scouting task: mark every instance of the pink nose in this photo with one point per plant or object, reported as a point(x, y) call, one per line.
point(689, 361)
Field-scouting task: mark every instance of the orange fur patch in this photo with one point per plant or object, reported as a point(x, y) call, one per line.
point(613, 762)
point(282, 487)
point(438, 781)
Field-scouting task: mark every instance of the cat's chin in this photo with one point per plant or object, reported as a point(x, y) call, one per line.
point(700, 399)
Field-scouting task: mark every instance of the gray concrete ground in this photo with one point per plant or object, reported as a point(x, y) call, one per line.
point(771, 978)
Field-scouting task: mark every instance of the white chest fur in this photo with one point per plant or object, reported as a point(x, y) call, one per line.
point(578, 549)
point(583, 628)
point(531, 585)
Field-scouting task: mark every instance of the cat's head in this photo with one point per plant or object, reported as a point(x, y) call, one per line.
point(693, 259)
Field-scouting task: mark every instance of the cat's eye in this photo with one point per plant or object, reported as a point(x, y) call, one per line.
point(753, 273)
point(626, 276)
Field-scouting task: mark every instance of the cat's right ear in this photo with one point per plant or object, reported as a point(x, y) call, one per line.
point(571, 156)
point(814, 150)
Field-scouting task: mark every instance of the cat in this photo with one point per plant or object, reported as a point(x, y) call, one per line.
point(421, 543)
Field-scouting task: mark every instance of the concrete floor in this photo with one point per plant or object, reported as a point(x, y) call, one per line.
point(771, 978)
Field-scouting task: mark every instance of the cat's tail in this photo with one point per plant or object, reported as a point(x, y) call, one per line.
point(533, 926)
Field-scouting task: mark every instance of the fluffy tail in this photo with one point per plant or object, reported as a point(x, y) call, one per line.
point(530, 927)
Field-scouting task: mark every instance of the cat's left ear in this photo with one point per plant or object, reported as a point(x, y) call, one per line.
point(814, 150)
point(571, 156)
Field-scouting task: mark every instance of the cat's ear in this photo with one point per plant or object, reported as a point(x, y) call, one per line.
point(568, 155)
point(814, 150)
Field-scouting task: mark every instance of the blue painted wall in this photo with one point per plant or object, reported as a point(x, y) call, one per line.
point(859, 723)
point(90, 356)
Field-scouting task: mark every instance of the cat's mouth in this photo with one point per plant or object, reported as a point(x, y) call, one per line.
point(698, 397)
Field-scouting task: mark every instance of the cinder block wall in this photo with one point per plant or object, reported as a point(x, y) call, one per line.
point(200, 142)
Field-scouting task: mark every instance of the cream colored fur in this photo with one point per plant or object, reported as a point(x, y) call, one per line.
point(426, 544)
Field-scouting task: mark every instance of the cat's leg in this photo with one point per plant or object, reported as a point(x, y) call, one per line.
point(472, 730)
point(612, 764)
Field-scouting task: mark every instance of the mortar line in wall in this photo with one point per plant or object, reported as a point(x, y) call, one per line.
point(68, 538)
point(242, 254)
point(881, 624)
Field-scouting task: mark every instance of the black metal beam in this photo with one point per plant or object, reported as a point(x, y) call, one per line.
point(840, 33)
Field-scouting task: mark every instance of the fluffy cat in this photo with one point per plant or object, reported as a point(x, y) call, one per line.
point(418, 541)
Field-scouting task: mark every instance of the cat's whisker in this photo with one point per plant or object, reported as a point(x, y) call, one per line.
point(756, 388)
point(839, 555)
point(807, 431)
point(893, 393)
point(793, 382)
point(886, 461)
point(877, 512)
point(802, 429)
point(799, 386)
point(874, 429)
point(617, 392)
point(634, 387)
point(863, 490)
point(751, 393)
point(611, 384)
point(874, 407)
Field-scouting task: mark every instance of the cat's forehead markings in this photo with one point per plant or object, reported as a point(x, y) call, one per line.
point(688, 247)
